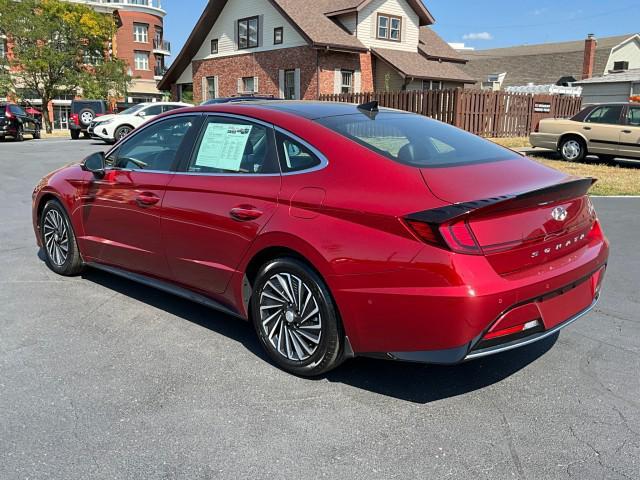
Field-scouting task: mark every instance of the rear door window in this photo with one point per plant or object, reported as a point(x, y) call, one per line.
point(608, 115)
point(633, 116)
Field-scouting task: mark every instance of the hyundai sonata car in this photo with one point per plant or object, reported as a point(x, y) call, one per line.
point(337, 230)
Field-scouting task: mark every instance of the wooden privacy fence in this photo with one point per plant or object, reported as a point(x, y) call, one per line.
point(490, 114)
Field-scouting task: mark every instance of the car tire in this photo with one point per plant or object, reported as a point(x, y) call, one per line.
point(86, 116)
point(37, 134)
point(19, 134)
point(121, 132)
point(286, 292)
point(572, 149)
point(57, 234)
point(75, 134)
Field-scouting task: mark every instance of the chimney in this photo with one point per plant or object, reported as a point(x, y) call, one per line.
point(590, 45)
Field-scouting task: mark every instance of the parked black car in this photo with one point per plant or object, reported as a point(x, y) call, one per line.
point(15, 123)
point(240, 98)
point(83, 112)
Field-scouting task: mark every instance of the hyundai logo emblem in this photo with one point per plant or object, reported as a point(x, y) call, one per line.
point(559, 214)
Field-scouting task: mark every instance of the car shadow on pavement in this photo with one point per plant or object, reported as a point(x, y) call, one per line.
point(405, 381)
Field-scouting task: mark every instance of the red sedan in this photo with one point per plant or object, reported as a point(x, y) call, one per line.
point(337, 230)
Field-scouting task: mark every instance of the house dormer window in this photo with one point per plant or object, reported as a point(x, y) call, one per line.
point(389, 27)
point(278, 35)
point(248, 32)
point(214, 46)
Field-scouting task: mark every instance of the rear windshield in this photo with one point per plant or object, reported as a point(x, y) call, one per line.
point(416, 140)
point(97, 106)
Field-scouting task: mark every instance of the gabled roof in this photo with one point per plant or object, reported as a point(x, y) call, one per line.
point(311, 18)
point(540, 64)
point(415, 65)
point(434, 47)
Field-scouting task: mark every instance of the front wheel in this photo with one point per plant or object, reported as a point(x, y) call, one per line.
point(37, 134)
point(60, 246)
point(295, 318)
point(122, 132)
point(573, 149)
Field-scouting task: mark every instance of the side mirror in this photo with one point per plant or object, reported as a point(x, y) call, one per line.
point(95, 164)
point(142, 114)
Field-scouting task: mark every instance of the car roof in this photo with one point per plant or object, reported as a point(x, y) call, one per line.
point(311, 110)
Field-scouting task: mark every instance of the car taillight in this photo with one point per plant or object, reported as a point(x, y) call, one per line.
point(456, 236)
point(74, 119)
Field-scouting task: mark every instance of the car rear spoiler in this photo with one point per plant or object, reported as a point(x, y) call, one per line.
point(573, 188)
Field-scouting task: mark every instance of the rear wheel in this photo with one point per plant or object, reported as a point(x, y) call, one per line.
point(19, 134)
point(36, 133)
point(59, 241)
point(295, 318)
point(573, 149)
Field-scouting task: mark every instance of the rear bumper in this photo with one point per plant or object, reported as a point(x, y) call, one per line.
point(471, 350)
point(544, 140)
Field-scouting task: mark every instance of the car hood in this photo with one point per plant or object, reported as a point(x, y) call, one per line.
point(103, 118)
point(467, 183)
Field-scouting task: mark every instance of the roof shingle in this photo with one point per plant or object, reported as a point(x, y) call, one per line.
point(415, 65)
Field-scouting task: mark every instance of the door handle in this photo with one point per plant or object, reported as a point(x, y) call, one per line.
point(626, 131)
point(147, 199)
point(245, 213)
point(586, 128)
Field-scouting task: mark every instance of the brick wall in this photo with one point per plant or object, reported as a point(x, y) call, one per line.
point(266, 65)
point(126, 45)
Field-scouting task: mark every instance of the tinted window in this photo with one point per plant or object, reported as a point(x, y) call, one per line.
point(153, 110)
point(96, 106)
point(416, 140)
point(609, 114)
point(155, 147)
point(17, 110)
point(633, 116)
point(168, 108)
point(295, 157)
point(229, 145)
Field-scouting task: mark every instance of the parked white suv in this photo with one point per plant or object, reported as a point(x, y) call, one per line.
point(112, 128)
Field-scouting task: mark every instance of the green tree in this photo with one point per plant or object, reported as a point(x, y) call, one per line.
point(59, 46)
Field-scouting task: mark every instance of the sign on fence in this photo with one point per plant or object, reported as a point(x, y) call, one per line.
point(486, 113)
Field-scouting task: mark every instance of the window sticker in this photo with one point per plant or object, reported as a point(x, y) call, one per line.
point(223, 146)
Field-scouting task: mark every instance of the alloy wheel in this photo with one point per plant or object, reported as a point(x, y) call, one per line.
point(571, 149)
point(290, 316)
point(56, 237)
point(123, 132)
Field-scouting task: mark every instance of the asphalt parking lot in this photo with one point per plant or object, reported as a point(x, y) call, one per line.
point(102, 378)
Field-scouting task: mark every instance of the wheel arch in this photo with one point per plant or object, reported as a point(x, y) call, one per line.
point(577, 135)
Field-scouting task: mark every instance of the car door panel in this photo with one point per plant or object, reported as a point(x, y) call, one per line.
point(121, 212)
point(121, 225)
point(630, 134)
point(211, 219)
point(602, 129)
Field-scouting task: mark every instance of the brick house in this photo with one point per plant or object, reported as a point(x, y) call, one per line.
point(300, 49)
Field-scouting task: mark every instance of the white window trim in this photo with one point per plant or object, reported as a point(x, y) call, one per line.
point(140, 37)
point(144, 55)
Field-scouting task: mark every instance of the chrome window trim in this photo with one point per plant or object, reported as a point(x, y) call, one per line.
point(324, 161)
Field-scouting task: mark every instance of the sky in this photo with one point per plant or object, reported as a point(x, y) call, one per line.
point(480, 23)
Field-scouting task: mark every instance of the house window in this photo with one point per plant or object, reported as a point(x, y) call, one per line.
point(141, 61)
point(214, 46)
point(140, 33)
point(278, 35)
point(290, 85)
point(389, 27)
point(347, 81)
point(248, 32)
point(248, 85)
point(211, 88)
point(431, 85)
point(618, 66)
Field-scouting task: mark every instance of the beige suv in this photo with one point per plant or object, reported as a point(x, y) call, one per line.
point(606, 130)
